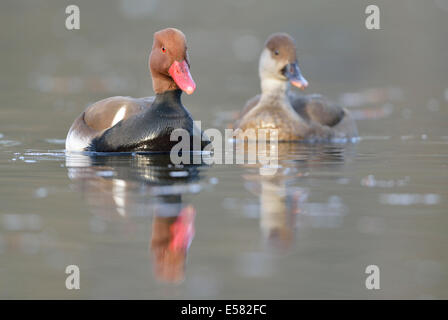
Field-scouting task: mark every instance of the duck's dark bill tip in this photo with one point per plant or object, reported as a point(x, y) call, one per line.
point(301, 83)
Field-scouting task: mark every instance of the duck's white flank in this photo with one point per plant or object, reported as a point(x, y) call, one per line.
point(74, 142)
point(119, 115)
point(271, 81)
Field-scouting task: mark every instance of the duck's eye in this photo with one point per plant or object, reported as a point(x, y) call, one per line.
point(163, 49)
point(276, 52)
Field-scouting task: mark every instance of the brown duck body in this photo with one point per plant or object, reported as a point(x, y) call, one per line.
point(102, 115)
point(271, 112)
point(295, 117)
point(298, 118)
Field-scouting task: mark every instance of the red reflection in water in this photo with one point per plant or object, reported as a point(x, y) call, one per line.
point(171, 238)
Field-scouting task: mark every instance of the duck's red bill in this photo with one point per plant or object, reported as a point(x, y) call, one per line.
point(299, 82)
point(180, 73)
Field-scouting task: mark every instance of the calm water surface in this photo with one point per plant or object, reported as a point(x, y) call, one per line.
point(309, 231)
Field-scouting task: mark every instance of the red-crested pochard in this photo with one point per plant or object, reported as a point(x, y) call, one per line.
point(297, 118)
point(124, 124)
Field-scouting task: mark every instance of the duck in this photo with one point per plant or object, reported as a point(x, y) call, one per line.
point(127, 124)
point(295, 117)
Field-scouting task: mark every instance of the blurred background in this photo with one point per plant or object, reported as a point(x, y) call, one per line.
point(334, 209)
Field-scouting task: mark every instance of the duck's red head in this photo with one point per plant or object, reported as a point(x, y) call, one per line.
point(169, 63)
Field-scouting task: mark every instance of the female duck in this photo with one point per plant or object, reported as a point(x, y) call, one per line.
point(297, 118)
point(123, 124)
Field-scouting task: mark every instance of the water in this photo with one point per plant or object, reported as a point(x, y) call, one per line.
point(309, 231)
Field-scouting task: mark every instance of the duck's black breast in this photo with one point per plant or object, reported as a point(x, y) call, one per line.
point(149, 130)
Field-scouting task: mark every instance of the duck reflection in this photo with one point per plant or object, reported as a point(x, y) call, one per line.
point(282, 203)
point(171, 238)
point(143, 185)
point(279, 206)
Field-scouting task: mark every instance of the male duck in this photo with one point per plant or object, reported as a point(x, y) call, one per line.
point(124, 124)
point(297, 118)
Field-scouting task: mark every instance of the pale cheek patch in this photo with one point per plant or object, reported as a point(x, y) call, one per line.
point(119, 116)
point(268, 66)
